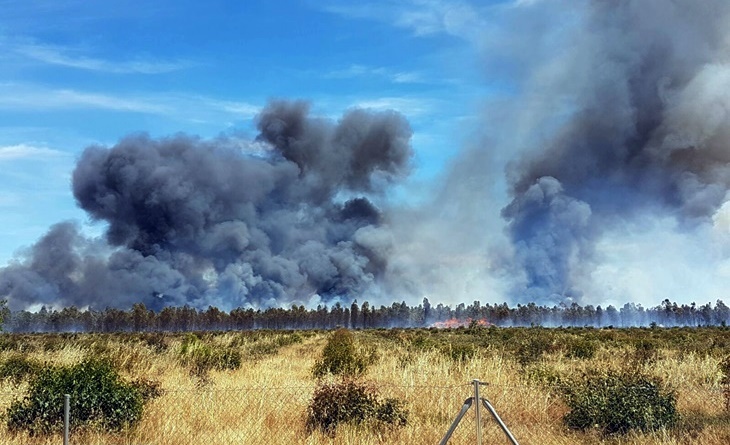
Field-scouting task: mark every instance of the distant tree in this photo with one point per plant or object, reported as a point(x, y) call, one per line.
point(4, 313)
point(426, 311)
point(612, 315)
point(355, 315)
point(166, 318)
point(214, 319)
point(141, 317)
point(115, 320)
point(599, 316)
point(722, 313)
point(366, 315)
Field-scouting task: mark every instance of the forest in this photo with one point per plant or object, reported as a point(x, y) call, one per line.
point(363, 316)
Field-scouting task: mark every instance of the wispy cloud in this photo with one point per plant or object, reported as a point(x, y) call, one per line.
point(24, 151)
point(72, 58)
point(422, 17)
point(244, 110)
point(80, 58)
point(29, 97)
point(355, 71)
point(409, 106)
point(181, 106)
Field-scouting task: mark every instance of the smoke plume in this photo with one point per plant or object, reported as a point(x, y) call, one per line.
point(204, 222)
point(640, 127)
point(611, 122)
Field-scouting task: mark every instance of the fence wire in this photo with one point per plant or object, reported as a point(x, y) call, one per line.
point(278, 415)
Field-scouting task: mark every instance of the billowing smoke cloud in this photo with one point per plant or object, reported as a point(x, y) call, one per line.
point(640, 127)
point(205, 222)
point(613, 129)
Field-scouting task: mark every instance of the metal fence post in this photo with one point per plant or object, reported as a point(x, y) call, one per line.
point(66, 416)
point(499, 421)
point(478, 411)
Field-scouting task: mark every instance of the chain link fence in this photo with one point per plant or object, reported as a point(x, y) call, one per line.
point(277, 415)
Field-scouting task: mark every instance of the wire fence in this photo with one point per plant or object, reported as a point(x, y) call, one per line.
point(278, 415)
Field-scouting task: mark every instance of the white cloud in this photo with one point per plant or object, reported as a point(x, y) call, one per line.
point(355, 71)
point(15, 96)
point(68, 57)
point(422, 17)
point(409, 106)
point(31, 97)
point(241, 109)
point(24, 151)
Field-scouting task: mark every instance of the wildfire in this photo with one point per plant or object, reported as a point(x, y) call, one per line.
point(456, 323)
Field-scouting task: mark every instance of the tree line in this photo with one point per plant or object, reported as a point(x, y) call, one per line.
point(364, 316)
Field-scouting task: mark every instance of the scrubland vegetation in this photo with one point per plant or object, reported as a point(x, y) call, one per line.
point(562, 385)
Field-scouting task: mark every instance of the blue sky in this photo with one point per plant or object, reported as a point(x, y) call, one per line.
point(78, 73)
point(484, 83)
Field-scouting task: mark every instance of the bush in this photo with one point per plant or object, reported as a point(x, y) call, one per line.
point(459, 352)
point(288, 339)
point(582, 349)
point(646, 352)
point(261, 349)
point(340, 357)
point(423, 343)
point(533, 348)
point(99, 399)
point(542, 375)
point(351, 402)
point(618, 403)
point(17, 368)
point(201, 357)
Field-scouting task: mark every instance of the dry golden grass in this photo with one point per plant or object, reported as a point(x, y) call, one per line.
point(265, 400)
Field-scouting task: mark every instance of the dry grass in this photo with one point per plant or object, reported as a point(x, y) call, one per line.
point(265, 400)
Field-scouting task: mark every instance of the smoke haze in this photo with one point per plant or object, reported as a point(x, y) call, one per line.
point(639, 131)
point(599, 174)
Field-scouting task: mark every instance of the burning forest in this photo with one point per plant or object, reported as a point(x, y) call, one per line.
point(602, 179)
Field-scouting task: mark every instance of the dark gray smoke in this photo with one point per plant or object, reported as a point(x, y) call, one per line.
point(615, 113)
point(642, 127)
point(203, 222)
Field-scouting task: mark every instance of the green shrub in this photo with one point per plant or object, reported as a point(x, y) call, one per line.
point(201, 357)
point(99, 400)
point(261, 349)
point(17, 368)
point(423, 342)
point(459, 352)
point(288, 339)
point(581, 349)
point(542, 375)
point(532, 349)
point(340, 357)
point(618, 403)
point(646, 352)
point(351, 402)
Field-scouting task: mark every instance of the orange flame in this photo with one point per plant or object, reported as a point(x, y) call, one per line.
point(456, 323)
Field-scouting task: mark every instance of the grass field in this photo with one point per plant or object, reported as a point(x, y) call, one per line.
point(263, 397)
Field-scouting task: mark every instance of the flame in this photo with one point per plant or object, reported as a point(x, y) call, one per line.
point(456, 323)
